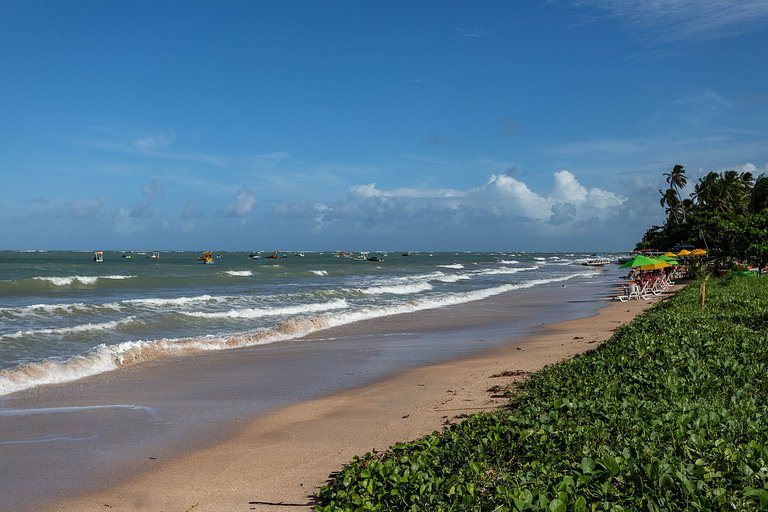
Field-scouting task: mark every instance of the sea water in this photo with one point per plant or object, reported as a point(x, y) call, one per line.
point(64, 316)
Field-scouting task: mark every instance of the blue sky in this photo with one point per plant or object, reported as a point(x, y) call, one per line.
point(362, 125)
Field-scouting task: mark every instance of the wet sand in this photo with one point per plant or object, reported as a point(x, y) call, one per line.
point(248, 429)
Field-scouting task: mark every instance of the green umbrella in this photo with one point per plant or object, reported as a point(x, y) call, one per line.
point(639, 261)
point(668, 259)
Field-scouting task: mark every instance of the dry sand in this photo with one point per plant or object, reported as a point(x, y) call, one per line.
point(277, 461)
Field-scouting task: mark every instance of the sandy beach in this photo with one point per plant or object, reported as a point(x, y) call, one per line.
point(276, 461)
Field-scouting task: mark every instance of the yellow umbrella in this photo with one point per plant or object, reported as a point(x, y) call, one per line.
point(684, 252)
point(698, 252)
point(655, 266)
point(670, 254)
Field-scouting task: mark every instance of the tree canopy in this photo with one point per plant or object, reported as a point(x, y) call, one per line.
point(727, 214)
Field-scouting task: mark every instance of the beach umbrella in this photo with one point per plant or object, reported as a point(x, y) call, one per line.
point(669, 259)
point(655, 266)
point(670, 254)
point(684, 252)
point(639, 261)
point(698, 252)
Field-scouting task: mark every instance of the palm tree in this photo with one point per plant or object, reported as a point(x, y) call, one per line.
point(725, 192)
point(677, 181)
point(759, 197)
point(671, 201)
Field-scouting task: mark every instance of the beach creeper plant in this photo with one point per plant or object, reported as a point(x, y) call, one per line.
point(670, 414)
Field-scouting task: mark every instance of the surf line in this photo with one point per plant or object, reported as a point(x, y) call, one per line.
point(77, 408)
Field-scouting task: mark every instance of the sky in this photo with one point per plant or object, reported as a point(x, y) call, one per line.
point(366, 125)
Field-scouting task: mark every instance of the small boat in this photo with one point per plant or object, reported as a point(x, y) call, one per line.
point(254, 255)
point(154, 256)
point(206, 258)
point(408, 253)
point(277, 255)
point(596, 261)
point(98, 256)
point(127, 256)
point(374, 257)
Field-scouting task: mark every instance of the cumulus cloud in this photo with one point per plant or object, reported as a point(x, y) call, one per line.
point(242, 205)
point(73, 210)
point(123, 222)
point(151, 190)
point(501, 200)
point(81, 209)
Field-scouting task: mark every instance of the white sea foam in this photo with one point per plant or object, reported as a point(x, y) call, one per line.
point(262, 312)
point(177, 301)
point(239, 273)
point(454, 265)
point(504, 270)
point(320, 272)
point(73, 329)
point(69, 280)
point(509, 262)
point(452, 278)
point(403, 289)
point(105, 358)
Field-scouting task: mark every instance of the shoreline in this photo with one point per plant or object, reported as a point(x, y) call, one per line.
point(282, 457)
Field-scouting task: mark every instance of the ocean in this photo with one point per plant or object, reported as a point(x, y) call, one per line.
point(64, 316)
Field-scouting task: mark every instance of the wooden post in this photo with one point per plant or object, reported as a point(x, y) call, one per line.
point(703, 292)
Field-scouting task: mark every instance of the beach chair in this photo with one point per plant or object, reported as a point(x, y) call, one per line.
point(631, 291)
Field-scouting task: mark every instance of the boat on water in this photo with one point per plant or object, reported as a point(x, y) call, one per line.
point(127, 256)
point(154, 256)
point(255, 255)
point(596, 261)
point(277, 255)
point(98, 256)
point(206, 258)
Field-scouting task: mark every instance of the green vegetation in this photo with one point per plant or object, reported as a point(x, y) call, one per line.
point(670, 414)
point(727, 213)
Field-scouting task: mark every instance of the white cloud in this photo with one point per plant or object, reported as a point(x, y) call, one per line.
point(501, 199)
point(370, 190)
point(242, 205)
point(123, 222)
point(671, 21)
point(157, 141)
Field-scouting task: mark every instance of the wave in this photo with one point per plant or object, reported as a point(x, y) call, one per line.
point(104, 358)
point(509, 262)
point(504, 270)
point(176, 301)
point(403, 289)
point(111, 325)
point(239, 273)
point(247, 313)
point(452, 278)
point(454, 265)
point(320, 272)
point(69, 280)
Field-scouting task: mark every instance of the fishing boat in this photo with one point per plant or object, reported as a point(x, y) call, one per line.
point(596, 261)
point(154, 256)
point(206, 258)
point(277, 255)
point(98, 256)
point(254, 255)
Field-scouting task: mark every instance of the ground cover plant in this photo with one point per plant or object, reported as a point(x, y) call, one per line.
point(670, 414)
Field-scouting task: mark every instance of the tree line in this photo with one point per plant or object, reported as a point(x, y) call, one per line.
point(727, 214)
